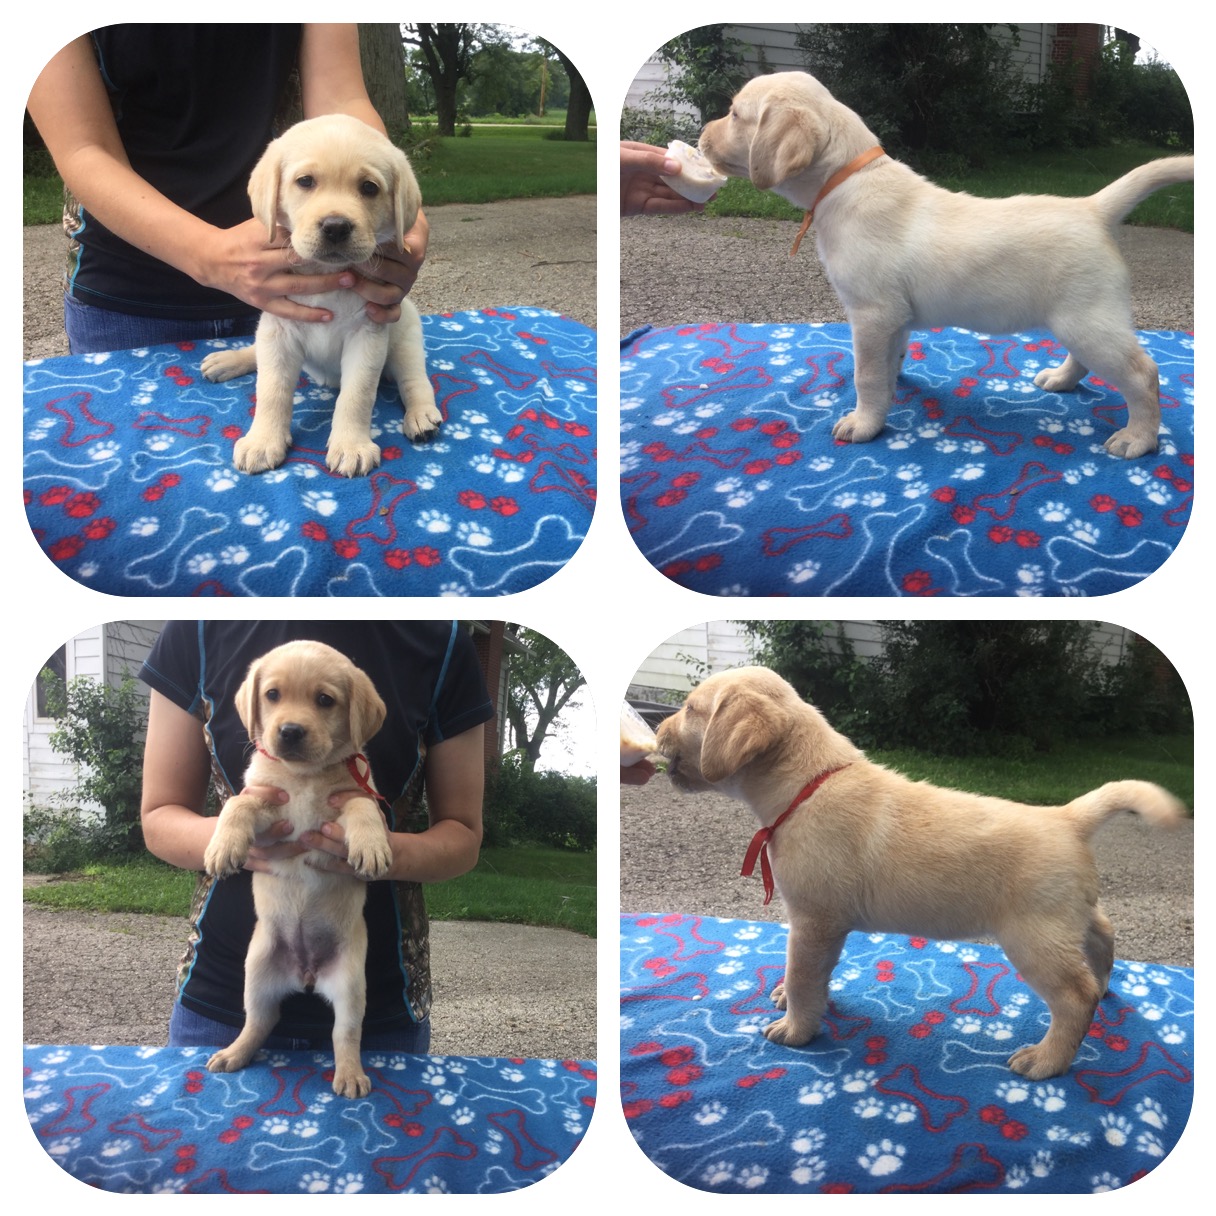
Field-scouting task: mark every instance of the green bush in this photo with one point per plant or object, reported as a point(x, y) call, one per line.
point(659, 127)
point(524, 807)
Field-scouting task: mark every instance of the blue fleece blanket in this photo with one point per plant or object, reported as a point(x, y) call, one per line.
point(154, 1120)
point(130, 487)
point(906, 1089)
point(981, 484)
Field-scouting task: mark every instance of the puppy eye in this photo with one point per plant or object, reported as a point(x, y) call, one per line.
point(325, 701)
point(368, 189)
point(272, 694)
point(306, 182)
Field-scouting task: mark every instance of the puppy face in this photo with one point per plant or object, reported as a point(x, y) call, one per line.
point(728, 722)
point(774, 129)
point(338, 187)
point(306, 703)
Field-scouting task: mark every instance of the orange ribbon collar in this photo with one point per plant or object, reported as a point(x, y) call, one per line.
point(839, 176)
point(759, 845)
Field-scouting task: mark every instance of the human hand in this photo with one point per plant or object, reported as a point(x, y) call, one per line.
point(639, 773)
point(387, 278)
point(642, 192)
point(270, 845)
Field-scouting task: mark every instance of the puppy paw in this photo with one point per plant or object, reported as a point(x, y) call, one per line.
point(352, 459)
point(1036, 1065)
point(422, 422)
point(255, 454)
point(853, 428)
point(351, 1083)
point(369, 853)
point(778, 995)
point(787, 1032)
point(223, 365)
point(1129, 444)
point(225, 853)
point(1055, 380)
point(227, 1060)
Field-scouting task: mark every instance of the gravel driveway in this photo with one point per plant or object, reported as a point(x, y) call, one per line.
point(682, 853)
point(680, 269)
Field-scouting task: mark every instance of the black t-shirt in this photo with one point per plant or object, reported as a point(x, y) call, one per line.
point(195, 107)
point(429, 676)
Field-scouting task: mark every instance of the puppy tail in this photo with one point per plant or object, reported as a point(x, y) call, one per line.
point(1121, 196)
point(1149, 801)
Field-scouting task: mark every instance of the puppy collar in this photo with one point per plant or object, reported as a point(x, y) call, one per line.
point(363, 779)
point(830, 185)
point(759, 845)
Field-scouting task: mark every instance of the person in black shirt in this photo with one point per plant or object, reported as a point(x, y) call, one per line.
point(430, 679)
point(155, 129)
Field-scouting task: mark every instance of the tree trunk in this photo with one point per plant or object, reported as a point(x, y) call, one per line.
point(383, 56)
point(578, 108)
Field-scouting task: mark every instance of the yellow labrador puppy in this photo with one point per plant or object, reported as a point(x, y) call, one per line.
point(339, 188)
point(308, 710)
point(903, 253)
point(868, 849)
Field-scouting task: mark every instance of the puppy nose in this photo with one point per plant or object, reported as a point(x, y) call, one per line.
point(336, 228)
point(291, 734)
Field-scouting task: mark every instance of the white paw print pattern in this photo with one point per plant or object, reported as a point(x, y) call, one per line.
point(252, 515)
point(434, 522)
point(709, 1114)
point(802, 572)
point(867, 1107)
point(1029, 580)
point(731, 968)
point(434, 1075)
point(1081, 427)
point(882, 1158)
point(306, 1129)
point(145, 525)
point(276, 531)
point(314, 1182)
point(751, 1177)
point(1105, 1181)
point(816, 1093)
point(968, 472)
point(901, 1112)
point(1172, 1034)
point(1149, 1110)
point(453, 590)
point(718, 1174)
point(857, 1082)
point(104, 449)
point(1054, 512)
point(321, 502)
point(462, 1116)
point(220, 480)
point(1013, 1091)
point(916, 489)
point(511, 1073)
point(234, 555)
point(276, 1127)
point(735, 494)
point(161, 441)
point(1150, 1143)
point(1084, 531)
point(999, 1031)
point(1049, 1098)
point(968, 954)
point(348, 1184)
point(510, 472)
point(202, 563)
point(64, 1146)
point(968, 1024)
point(808, 1170)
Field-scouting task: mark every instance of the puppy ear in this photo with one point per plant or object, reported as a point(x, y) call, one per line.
point(407, 197)
point(784, 143)
point(367, 710)
point(264, 186)
point(247, 699)
point(739, 731)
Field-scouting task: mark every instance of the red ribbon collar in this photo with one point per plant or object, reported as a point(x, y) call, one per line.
point(362, 779)
point(759, 845)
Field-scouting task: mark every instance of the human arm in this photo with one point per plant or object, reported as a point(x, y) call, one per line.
point(642, 191)
point(177, 769)
point(455, 787)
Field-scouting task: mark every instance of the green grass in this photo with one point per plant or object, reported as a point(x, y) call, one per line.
point(1045, 172)
point(497, 163)
point(523, 885)
point(1055, 777)
point(494, 163)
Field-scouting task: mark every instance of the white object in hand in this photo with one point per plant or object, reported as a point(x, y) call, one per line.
point(697, 181)
point(637, 739)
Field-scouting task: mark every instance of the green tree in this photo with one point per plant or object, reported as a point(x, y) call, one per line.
point(926, 91)
point(447, 51)
point(542, 679)
point(100, 728)
point(709, 67)
point(578, 96)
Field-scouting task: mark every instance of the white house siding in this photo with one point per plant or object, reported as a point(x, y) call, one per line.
point(773, 48)
point(107, 651)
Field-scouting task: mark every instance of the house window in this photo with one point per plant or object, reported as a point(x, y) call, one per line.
point(57, 667)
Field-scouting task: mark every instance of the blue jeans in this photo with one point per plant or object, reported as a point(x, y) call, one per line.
point(91, 329)
point(190, 1029)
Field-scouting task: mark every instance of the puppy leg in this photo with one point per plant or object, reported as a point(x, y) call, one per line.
point(279, 361)
point(1100, 949)
point(407, 366)
point(1053, 965)
point(344, 985)
point(352, 452)
point(265, 987)
point(811, 954)
point(878, 352)
point(367, 846)
point(240, 820)
point(223, 365)
point(1062, 379)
